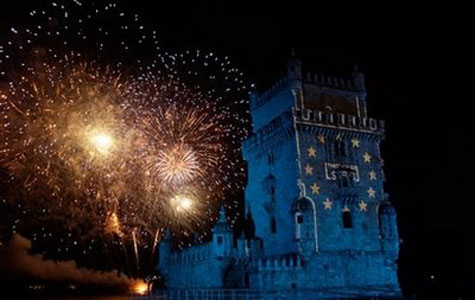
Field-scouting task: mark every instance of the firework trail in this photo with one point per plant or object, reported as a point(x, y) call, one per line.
point(136, 250)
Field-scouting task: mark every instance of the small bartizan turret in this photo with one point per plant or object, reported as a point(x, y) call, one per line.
point(388, 231)
point(222, 236)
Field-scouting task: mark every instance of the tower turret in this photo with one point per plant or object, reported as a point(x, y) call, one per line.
point(250, 227)
point(388, 230)
point(358, 79)
point(222, 236)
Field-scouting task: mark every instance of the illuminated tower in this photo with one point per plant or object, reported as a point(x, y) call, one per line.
point(315, 181)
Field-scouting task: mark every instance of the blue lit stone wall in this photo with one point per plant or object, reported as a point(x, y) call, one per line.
point(272, 164)
point(332, 195)
point(273, 103)
point(195, 267)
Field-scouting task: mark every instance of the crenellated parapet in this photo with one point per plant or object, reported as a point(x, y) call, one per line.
point(331, 82)
point(258, 99)
point(286, 83)
point(191, 255)
point(280, 262)
point(270, 133)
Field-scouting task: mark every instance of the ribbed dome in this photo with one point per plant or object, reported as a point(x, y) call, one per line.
point(222, 224)
point(167, 236)
point(387, 209)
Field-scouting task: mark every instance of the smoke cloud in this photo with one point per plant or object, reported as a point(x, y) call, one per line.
point(17, 263)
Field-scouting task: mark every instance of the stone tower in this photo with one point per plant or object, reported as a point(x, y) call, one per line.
point(319, 224)
point(315, 180)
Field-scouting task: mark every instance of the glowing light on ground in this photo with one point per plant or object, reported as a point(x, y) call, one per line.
point(140, 288)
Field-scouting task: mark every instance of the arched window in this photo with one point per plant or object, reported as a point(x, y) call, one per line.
point(273, 225)
point(339, 148)
point(347, 220)
point(343, 181)
point(270, 186)
point(305, 228)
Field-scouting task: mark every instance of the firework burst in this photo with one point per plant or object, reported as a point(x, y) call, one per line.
point(177, 164)
point(108, 142)
point(185, 145)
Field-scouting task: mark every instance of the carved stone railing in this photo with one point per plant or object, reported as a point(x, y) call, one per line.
point(318, 117)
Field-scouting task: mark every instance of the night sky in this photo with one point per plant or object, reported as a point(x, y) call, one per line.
point(416, 60)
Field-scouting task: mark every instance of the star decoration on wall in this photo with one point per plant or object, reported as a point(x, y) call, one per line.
point(363, 206)
point(308, 169)
point(371, 192)
point(367, 157)
point(328, 204)
point(372, 175)
point(321, 138)
point(315, 188)
point(345, 209)
point(355, 143)
point(312, 152)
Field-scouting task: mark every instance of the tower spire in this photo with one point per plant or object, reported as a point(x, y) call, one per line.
point(222, 224)
point(222, 215)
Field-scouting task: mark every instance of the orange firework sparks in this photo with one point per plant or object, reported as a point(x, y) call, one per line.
point(113, 225)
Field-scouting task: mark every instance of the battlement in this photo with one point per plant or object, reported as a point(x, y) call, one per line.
point(317, 117)
point(271, 129)
point(191, 255)
point(258, 99)
point(329, 81)
point(281, 262)
point(313, 117)
point(337, 83)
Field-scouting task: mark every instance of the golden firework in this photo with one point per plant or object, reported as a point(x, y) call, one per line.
point(177, 165)
point(181, 203)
